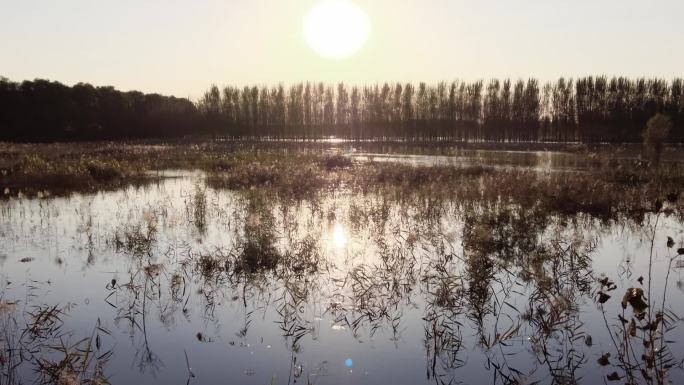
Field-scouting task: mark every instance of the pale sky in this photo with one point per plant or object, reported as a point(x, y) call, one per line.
point(181, 47)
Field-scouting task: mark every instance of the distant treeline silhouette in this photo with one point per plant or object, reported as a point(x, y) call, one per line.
point(588, 109)
point(42, 110)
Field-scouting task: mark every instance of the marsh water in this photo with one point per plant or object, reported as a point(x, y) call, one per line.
point(185, 283)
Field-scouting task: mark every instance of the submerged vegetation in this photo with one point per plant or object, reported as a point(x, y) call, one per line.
point(37, 337)
point(595, 182)
point(550, 270)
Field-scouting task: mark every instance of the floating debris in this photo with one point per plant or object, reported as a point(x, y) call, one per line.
point(613, 377)
point(604, 359)
point(635, 297)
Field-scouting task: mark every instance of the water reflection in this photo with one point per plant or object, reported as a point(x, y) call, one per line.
point(339, 236)
point(545, 161)
point(346, 288)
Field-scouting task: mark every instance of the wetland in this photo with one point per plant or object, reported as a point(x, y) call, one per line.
point(279, 263)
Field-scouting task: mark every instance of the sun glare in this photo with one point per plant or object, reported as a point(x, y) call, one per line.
point(336, 29)
point(339, 236)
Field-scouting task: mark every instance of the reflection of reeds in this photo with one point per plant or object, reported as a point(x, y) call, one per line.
point(640, 336)
point(443, 324)
point(137, 239)
point(497, 259)
point(199, 208)
point(43, 344)
point(517, 282)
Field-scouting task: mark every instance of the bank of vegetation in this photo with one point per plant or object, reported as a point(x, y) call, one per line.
point(601, 185)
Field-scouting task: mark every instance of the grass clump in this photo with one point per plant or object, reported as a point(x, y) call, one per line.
point(598, 183)
point(105, 171)
point(292, 179)
point(258, 253)
point(217, 164)
point(32, 164)
point(34, 172)
point(337, 161)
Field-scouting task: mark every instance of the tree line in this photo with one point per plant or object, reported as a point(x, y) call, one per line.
point(587, 109)
point(42, 110)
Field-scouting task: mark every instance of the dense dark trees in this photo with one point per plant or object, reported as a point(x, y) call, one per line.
point(41, 110)
point(588, 109)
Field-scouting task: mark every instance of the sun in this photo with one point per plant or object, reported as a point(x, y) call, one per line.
point(336, 29)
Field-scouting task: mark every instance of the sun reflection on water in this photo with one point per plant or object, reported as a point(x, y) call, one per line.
point(339, 236)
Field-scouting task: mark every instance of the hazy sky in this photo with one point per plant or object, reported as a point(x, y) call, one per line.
point(181, 47)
